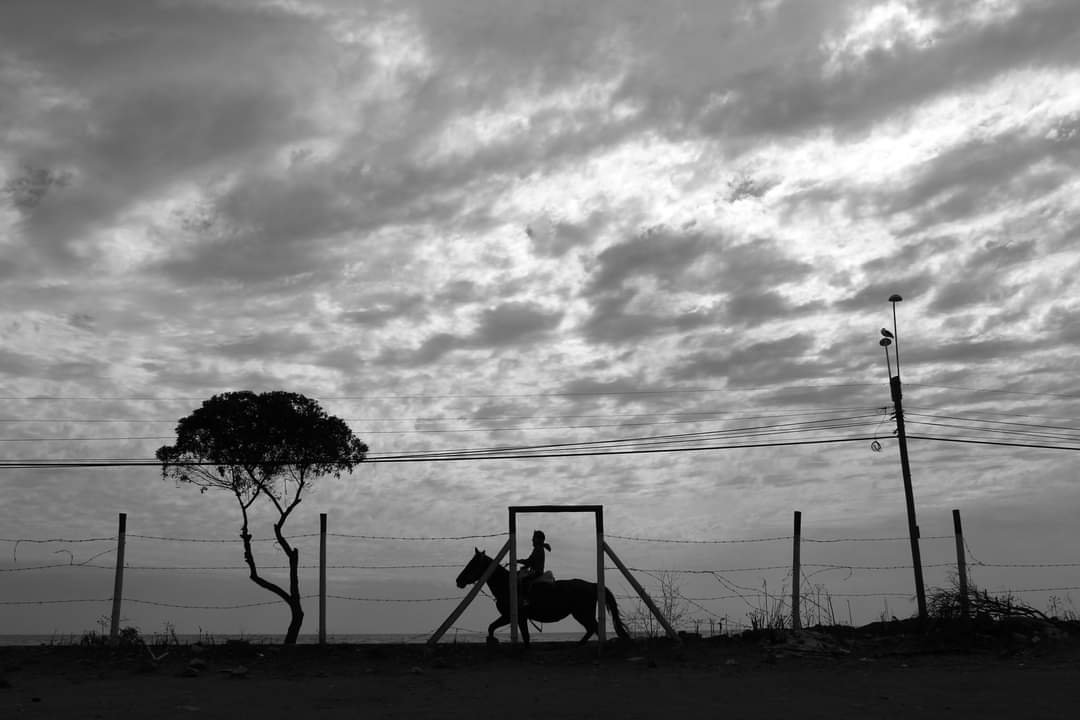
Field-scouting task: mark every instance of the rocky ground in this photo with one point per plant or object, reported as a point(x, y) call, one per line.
point(1026, 669)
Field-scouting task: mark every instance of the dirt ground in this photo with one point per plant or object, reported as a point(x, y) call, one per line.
point(808, 675)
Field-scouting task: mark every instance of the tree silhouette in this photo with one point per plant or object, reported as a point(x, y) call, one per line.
point(269, 445)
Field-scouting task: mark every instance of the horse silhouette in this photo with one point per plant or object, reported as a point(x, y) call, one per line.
point(548, 601)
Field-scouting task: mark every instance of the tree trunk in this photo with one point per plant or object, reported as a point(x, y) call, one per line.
point(295, 623)
point(294, 597)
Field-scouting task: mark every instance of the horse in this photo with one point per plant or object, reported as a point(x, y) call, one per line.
point(548, 601)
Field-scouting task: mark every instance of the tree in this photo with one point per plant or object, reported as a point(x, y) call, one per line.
point(269, 445)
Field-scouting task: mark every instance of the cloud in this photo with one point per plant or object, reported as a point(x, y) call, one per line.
point(757, 307)
point(17, 364)
point(612, 321)
point(268, 345)
point(797, 96)
point(382, 308)
point(771, 361)
point(585, 222)
point(127, 104)
point(510, 325)
point(877, 292)
point(513, 323)
point(657, 255)
point(554, 238)
point(984, 173)
point(661, 282)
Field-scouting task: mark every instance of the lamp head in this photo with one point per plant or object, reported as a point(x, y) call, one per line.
point(895, 298)
point(884, 342)
point(886, 333)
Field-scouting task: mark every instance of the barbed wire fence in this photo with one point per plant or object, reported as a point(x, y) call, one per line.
point(738, 605)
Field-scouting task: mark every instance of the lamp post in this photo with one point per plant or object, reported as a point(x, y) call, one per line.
point(889, 338)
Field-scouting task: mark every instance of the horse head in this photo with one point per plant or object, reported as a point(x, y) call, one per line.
point(474, 569)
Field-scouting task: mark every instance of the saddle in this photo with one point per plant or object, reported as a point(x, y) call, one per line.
point(544, 578)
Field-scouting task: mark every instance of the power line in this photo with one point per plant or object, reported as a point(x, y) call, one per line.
point(991, 442)
point(1000, 431)
point(701, 435)
point(833, 424)
point(1039, 426)
point(633, 441)
point(509, 455)
point(995, 390)
point(59, 540)
point(699, 542)
point(415, 537)
point(444, 396)
point(1012, 414)
point(446, 430)
point(874, 539)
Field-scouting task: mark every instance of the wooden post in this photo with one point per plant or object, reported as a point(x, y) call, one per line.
point(796, 620)
point(961, 564)
point(477, 586)
point(514, 510)
point(118, 583)
point(322, 578)
point(513, 579)
point(909, 494)
point(601, 595)
point(643, 595)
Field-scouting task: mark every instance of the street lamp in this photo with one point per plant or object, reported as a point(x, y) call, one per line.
point(887, 339)
point(885, 342)
point(894, 298)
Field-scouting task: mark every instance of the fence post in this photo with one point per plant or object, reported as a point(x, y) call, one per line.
point(322, 578)
point(513, 578)
point(601, 589)
point(961, 564)
point(796, 569)
point(672, 633)
point(118, 583)
point(476, 588)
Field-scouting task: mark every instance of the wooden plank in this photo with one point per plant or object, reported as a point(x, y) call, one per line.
point(554, 508)
point(513, 579)
point(644, 595)
point(322, 578)
point(118, 580)
point(961, 565)
point(477, 586)
point(796, 569)
point(601, 596)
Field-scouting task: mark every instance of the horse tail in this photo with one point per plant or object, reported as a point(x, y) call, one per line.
point(616, 619)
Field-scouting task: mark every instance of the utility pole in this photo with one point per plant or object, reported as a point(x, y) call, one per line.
point(905, 466)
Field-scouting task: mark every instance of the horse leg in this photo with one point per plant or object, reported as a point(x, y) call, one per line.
point(499, 622)
point(589, 623)
point(523, 625)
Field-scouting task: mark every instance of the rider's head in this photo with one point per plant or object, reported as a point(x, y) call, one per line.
point(538, 539)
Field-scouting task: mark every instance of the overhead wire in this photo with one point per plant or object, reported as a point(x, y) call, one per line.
point(134, 462)
point(735, 417)
point(639, 443)
point(994, 390)
point(443, 396)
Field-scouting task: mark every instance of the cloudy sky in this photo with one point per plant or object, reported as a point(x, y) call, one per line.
point(466, 224)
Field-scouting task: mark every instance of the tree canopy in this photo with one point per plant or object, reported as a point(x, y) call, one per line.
point(269, 445)
point(247, 442)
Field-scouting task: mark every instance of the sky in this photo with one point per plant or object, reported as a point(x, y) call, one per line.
point(465, 224)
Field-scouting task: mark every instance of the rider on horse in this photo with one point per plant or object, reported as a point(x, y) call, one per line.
point(533, 566)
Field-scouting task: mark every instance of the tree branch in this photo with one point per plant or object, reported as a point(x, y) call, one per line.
point(249, 557)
